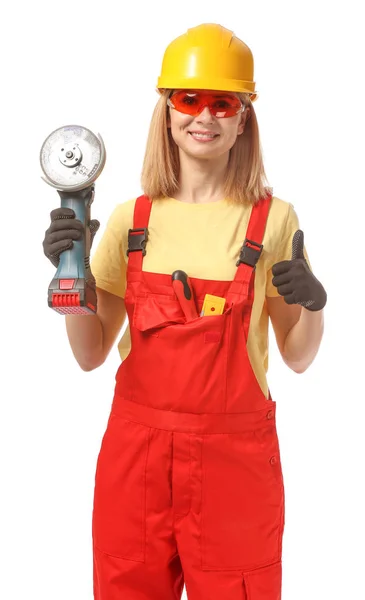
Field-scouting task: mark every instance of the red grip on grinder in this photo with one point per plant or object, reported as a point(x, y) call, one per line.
point(184, 293)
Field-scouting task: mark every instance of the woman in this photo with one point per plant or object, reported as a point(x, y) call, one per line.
point(188, 486)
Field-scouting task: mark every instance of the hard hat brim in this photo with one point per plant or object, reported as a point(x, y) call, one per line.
point(242, 87)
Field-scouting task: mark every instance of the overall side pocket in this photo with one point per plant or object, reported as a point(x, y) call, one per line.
point(119, 518)
point(264, 583)
point(241, 504)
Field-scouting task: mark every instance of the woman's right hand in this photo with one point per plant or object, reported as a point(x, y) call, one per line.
point(59, 236)
point(62, 232)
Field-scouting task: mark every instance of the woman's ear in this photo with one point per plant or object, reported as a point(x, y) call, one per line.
point(245, 116)
point(168, 117)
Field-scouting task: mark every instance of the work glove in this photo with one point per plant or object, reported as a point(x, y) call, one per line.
point(65, 228)
point(295, 281)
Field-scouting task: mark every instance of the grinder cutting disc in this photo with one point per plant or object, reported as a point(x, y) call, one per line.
point(72, 158)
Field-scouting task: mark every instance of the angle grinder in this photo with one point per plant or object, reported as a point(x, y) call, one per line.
point(72, 158)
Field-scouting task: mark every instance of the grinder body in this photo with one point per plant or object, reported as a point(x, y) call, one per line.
point(72, 157)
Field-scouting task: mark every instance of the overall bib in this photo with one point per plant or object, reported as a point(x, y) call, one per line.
point(188, 484)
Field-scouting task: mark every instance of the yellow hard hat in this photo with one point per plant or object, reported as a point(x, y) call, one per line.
point(208, 57)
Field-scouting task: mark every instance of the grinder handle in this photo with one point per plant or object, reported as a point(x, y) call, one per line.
point(73, 261)
point(72, 289)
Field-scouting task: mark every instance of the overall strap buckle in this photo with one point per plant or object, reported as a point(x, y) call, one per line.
point(137, 240)
point(250, 253)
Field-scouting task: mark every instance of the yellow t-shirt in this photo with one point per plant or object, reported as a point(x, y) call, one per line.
point(204, 240)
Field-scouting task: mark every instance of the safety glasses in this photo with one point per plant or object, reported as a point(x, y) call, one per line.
point(220, 104)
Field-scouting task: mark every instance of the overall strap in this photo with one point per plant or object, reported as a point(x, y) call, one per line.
point(138, 236)
point(250, 252)
point(243, 283)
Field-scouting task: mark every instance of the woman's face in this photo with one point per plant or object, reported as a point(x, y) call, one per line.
point(206, 136)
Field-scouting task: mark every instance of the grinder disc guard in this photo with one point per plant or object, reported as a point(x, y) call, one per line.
point(72, 158)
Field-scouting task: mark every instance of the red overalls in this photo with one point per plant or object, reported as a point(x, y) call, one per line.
point(188, 485)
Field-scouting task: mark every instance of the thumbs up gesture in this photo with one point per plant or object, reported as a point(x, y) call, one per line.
point(295, 281)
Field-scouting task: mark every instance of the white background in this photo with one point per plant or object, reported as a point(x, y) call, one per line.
point(96, 64)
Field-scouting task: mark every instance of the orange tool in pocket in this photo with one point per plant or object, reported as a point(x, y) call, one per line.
point(184, 293)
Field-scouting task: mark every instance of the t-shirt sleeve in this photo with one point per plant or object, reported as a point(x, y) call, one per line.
point(108, 263)
point(284, 248)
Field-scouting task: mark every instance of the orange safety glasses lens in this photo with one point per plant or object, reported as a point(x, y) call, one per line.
point(220, 104)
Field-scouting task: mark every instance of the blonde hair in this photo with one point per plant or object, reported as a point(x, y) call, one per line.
point(245, 177)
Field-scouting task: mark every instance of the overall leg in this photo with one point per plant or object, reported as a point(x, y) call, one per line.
point(229, 533)
point(135, 554)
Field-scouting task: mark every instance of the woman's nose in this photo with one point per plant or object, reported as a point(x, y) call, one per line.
point(205, 115)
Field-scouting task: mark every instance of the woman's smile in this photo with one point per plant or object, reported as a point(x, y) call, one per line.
point(203, 136)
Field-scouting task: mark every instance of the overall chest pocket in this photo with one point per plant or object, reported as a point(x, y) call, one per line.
point(184, 362)
point(155, 311)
